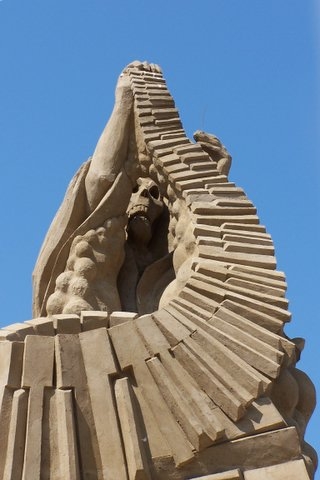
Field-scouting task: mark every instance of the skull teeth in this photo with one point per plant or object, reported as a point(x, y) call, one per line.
point(139, 210)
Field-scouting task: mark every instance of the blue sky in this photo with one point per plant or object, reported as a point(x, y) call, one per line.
point(247, 71)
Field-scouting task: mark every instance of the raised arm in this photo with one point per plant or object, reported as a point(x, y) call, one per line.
point(112, 148)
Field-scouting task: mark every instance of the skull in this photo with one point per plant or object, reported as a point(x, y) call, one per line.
point(144, 208)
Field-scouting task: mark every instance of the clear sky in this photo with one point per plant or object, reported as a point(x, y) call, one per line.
point(246, 70)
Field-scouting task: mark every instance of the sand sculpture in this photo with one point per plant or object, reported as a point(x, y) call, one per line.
point(157, 348)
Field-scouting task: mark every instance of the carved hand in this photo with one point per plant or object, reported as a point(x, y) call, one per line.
point(123, 94)
point(147, 67)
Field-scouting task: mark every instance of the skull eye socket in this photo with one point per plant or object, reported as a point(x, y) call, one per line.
point(154, 192)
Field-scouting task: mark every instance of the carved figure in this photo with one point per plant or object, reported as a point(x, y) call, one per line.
point(157, 351)
point(100, 191)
